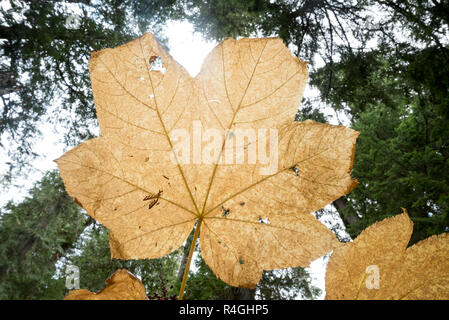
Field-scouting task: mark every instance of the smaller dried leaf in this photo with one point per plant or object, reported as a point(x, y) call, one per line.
point(378, 265)
point(122, 285)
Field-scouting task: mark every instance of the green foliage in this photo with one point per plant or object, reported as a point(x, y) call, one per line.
point(398, 101)
point(34, 234)
point(425, 21)
point(219, 19)
point(285, 284)
point(309, 26)
point(92, 257)
point(358, 82)
point(308, 111)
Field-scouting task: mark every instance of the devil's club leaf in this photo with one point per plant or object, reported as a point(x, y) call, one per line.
point(122, 285)
point(254, 216)
point(378, 265)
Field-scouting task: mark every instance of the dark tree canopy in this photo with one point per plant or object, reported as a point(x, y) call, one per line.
point(44, 75)
point(401, 155)
point(34, 235)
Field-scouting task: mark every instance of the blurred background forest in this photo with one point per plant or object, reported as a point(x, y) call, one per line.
point(378, 66)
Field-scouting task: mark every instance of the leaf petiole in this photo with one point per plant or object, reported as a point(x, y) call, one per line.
point(189, 259)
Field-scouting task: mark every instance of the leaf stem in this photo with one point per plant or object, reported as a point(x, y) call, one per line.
point(189, 259)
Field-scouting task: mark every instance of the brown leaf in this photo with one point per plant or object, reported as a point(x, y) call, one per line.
point(380, 253)
point(122, 285)
point(245, 84)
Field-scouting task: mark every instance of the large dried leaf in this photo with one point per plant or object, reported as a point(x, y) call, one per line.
point(122, 285)
point(251, 219)
point(380, 255)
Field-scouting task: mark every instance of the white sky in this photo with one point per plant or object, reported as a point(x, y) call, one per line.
point(189, 49)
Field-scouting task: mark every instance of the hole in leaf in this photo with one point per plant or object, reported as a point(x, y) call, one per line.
point(156, 64)
point(295, 170)
point(242, 203)
point(241, 260)
point(264, 221)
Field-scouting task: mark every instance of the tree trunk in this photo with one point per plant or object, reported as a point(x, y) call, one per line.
point(340, 203)
point(245, 294)
point(8, 83)
point(348, 220)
